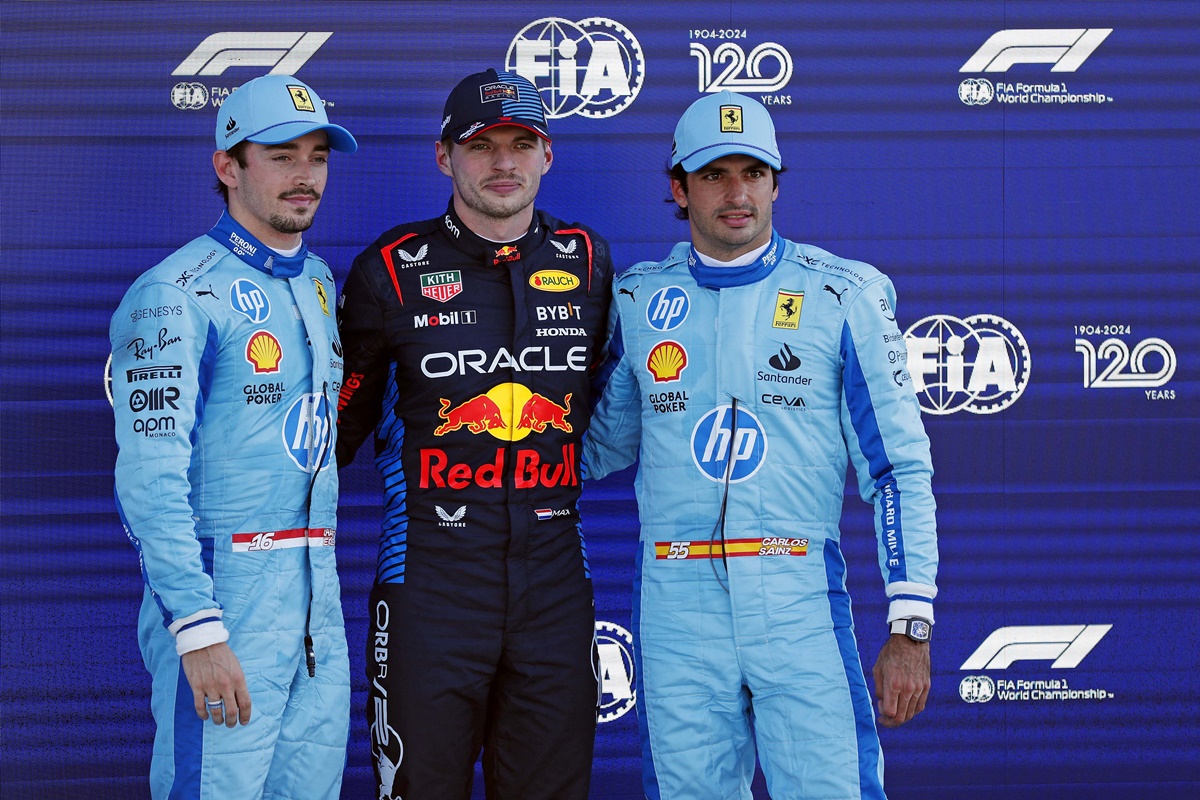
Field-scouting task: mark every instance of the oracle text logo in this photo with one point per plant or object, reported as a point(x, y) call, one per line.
point(284, 52)
point(1065, 645)
point(1065, 48)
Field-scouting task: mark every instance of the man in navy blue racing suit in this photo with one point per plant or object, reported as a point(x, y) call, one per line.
point(471, 343)
point(226, 367)
point(750, 370)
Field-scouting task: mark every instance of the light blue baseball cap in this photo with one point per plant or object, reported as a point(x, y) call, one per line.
point(274, 109)
point(724, 124)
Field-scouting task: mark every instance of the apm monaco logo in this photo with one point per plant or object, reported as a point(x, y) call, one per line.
point(1065, 49)
point(614, 648)
point(284, 52)
point(593, 67)
point(1064, 645)
point(979, 364)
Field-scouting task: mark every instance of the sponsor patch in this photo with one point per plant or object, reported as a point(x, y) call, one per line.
point(766, 546)
point(787, 310)
point(264, 352)
point(553, 280)
point(441, 286)
point(666, 361)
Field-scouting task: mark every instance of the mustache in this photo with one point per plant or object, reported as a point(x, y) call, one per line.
point(749, 209)
point(313, 193)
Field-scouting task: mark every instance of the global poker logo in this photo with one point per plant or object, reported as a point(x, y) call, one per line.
point(594, 67)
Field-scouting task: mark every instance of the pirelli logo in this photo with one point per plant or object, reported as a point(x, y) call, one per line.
point(767, 546)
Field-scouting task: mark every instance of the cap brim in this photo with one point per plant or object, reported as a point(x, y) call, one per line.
point(340, 139)
point(706, 155)
point(487, 126)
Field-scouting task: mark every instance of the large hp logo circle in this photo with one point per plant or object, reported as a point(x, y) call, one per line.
point(614, 647)
point(716, 441)
point(593, 67)
point(307, 432)
point(979, 364)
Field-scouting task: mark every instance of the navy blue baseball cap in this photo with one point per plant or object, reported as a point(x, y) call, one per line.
point(274, 109)
point(724, 124)
point(491, 98)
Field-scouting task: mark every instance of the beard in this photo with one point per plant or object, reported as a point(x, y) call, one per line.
point(294, 224)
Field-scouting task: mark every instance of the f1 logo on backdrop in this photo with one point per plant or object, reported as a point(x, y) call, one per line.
point(284, 53)
point(1065, 645)
point(594, 67)
point(1065, 48)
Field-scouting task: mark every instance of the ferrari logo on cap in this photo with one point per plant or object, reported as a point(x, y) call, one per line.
point(300, 99)
point(731, 119)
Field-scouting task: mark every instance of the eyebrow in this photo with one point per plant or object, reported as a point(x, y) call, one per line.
point(291, 145)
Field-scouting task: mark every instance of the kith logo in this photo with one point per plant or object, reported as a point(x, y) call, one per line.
point(284, 53)
point(1065, 48)
point(1066, 645)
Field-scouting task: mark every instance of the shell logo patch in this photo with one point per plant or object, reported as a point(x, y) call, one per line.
point(322, 297)
point(553, 280)
point(666, 361)
point(787, 310)
point(263, 352)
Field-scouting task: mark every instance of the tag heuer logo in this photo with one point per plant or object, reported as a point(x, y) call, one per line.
point(441, 286)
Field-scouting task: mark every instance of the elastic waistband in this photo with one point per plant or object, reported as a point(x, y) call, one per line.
point(274, 540)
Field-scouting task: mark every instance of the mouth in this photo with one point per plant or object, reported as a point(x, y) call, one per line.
point(736, 218)
point(503, 186)
point(302, 199)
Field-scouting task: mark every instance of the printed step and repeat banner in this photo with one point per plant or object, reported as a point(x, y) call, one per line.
point(1027, 173)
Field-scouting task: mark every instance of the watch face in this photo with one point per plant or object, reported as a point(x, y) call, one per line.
point(919, 629)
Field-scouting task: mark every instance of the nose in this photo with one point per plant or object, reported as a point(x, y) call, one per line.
point(304, 174)
point(503, 160)
point(736, 190)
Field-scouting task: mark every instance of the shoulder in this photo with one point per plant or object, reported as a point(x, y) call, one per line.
point(565, 236)
point(810, 257)
point(403, 242)
point(675, 260)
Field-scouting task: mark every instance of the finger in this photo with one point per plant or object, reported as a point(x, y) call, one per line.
point(198, 704)
point(242, 695)
point(216, 709)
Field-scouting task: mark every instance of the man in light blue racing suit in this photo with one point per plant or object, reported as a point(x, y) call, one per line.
point(226, 367)
point(751, 369)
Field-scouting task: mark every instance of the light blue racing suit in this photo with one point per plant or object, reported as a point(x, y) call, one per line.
point(750, 619)
point(226, 367)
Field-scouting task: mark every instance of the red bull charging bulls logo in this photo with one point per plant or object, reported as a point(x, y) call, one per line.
point(509, 411)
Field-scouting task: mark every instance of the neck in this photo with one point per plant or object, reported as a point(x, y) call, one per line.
point(264, 233)
point(508, 229)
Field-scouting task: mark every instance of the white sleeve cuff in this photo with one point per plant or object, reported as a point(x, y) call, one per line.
point(908, 600)
point(199, 630)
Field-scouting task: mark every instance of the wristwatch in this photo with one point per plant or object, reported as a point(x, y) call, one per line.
point(919, 630)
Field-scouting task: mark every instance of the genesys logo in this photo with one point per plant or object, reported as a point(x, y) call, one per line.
point(284, 52)
point(614, 652)
point(979, 363)
point(1065, 49)
point(592, 67)
point(1065, 646)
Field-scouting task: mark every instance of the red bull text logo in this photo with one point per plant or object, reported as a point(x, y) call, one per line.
point(508, 411)
point(530, 470)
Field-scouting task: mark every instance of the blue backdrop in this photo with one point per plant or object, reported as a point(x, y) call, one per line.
point(1026, 172)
